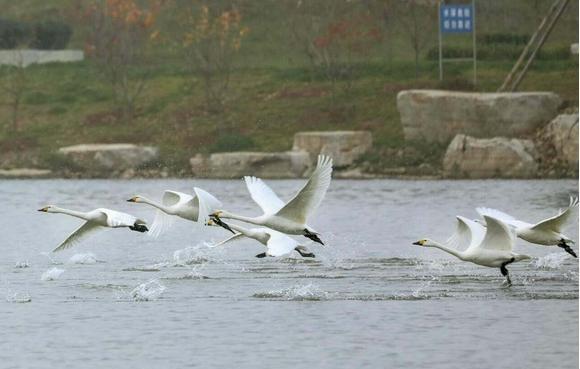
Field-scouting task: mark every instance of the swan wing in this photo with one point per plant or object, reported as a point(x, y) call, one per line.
point(557, 222)
point(506, 218)
point(498, 236)
point(234, 237)
point(467, 234)
point(310, 196)
point(263, 195)
point(116, 219)
point(77, 236)
point(280, 244)
point(206, 203)
point(161, 224)
point(171, 198)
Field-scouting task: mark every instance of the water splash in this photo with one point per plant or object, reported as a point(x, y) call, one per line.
point(191, 255)
point(306, 292)
point(22, 264)
point(148, 291)
point(550, 261)
point(52, 274)
point(88, 258)
point(18, 298)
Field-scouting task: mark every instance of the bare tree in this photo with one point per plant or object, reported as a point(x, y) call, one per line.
point(14, 84)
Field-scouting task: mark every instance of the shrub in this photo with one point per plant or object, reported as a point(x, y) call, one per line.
point(51, 35)
point(13, 33)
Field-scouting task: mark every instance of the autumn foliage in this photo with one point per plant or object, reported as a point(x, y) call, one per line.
point(211, 38)
point(120, 33)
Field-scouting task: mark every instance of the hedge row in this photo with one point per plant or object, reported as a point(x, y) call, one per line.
point(497, 52)
point(45, 35)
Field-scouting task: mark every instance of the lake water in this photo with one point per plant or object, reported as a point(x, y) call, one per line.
point(369, 300)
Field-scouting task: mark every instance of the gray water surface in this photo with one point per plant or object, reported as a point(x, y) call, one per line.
point(369, 300)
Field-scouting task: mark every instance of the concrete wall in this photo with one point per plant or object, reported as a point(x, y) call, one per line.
point(27, 57)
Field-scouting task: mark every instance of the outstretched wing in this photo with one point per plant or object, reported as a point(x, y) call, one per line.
point(558, 221)
point(467, 234)
point(263, 195)
point(116, 219)
point(506, 218)
point(78, 235)
point(163, 221)
point(309, 198)
point(280, 244)
point(498, 235)
point(206, 203)
point(234, 237)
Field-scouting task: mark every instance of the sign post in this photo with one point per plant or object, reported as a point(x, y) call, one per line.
point(457, 19)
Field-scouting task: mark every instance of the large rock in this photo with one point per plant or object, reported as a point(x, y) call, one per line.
point(290, 164)
point(109, 158)
point(437, 116)
point(345, 147)
point(499, 157)
point(562, 133)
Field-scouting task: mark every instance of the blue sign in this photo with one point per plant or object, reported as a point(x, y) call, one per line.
point(456, 18)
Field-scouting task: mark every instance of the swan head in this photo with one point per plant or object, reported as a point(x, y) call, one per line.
point(48, 209)
point(424, 242)
point(136, 198)
point(217, 214)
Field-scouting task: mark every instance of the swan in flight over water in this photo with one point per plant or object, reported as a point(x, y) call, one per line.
point(277, 243)
point(489, 246)
point(95, 220)
point(547, 232)
point(177, 204)
point(290, 217)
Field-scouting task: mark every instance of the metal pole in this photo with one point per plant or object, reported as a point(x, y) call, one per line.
point(440, 42)
point(474, 43)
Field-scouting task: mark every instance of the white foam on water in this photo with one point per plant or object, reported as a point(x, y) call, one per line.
point(18, 298)
point(300, 292)
point(148, 291)
point(88, 258)
point(550, 261)
point(191, 255)
point(22, 264)
point(51, 274)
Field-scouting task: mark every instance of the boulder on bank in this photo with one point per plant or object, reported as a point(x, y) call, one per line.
point(562, 134)
point(437, 116)
point(289, 164)
point(344, 147)
point(498, 157)
point(109, 158)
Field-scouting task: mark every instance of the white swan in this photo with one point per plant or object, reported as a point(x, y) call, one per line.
point(95, 220)
point(277, 243)
point(177, 204)
point(489, 246)
point(547, 232)
point(290, 217)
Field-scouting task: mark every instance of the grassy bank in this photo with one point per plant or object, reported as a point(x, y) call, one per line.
point(273, 94)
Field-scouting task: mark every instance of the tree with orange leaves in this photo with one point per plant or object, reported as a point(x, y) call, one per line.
point(212, 35)
point(120, 33)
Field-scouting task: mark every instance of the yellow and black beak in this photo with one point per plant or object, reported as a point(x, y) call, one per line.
point(45, 209)
point(420, 243)
point(132, 199)
point(210, 223)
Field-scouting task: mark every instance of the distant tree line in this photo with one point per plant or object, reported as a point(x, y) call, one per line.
point(44, 35)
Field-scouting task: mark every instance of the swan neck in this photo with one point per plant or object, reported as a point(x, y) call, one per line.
point(449, 250)
point(74, 213)
point(241, 218)
point(155, 204)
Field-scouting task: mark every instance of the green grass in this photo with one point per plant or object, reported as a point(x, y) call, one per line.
point(273, 95)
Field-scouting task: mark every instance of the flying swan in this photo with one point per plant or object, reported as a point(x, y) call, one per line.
point(95, 220)
point(489, 246)
point(277, 243)
point(177, 204)
point(547, 232)
point(290, 217)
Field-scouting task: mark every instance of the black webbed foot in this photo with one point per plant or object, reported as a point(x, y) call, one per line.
point(567, 248)
point(262, 255)
point(314, 237)
point(139, 228)
point(305, 254)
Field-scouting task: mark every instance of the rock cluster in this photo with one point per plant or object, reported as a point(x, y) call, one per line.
point(437, 116)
